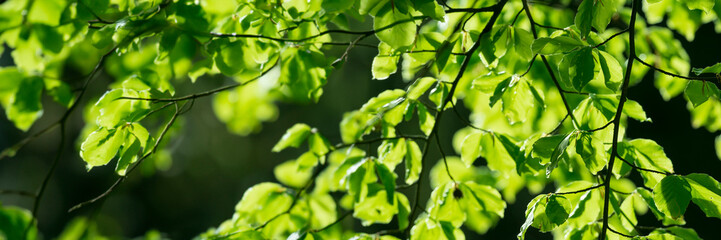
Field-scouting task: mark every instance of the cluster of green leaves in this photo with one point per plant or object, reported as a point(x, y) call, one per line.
point(531, 125)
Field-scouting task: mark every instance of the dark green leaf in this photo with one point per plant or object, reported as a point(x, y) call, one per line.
point(672, 195)
point(389, 181)
point(698, 92)
point(558, 151)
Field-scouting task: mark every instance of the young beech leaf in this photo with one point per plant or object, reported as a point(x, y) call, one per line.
point(555, 45)
point(716, 68)
point(471, 148)
point(634, 110)
point(413, 161)
point(419, 87)
point(649, 155)
point(375, 209)
point(388, 179)
point(706, 193)
point(293, 137)
point(26, 105)
point(388, 30)
point(592, 151)
point(558, 152)
point(385, 63)
point(101, 146)
point(557, 209)
point(699, 92)
point(611, 69)
point(672, 195)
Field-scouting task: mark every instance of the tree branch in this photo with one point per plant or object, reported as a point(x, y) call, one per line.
point(617, 119)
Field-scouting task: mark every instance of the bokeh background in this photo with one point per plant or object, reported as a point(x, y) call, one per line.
point(211, 168)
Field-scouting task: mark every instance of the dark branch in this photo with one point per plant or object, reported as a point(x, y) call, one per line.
point(617, 118)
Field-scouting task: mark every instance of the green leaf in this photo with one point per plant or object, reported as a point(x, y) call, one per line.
point(26, 106)
point(388, 179)
point(649, 155)
point(60, 91)
point(518, 100)
point(529, 219)
point(672, 195)
point(318, 144)
point(484, 198)
point(522, 41)
point(703, 5)
point(717, 144)
point(293, 137)
point(634, 110)
point(558, 151)
point(706, 193)
point(540, 216)
point(391, 152)
point(603, 12)
point(404, 211)
point(263, 202)
point(371, 6)
point(101, 146)
point(545, 146)
point(15, 223)
point(577, 69)
point(716, 68)
point(46, 11)
point(495, 45)
point(490, 82)
point(557, 209)
point(426, 119)
point(113, 111)
point(375, 209)
point(698, 92)
point(430, 8)
point(413, 160)
point(556, 45)
point(303, 74)
point(584, 17)
point(385, 63)
point(384, 101)
point(471, 148)
point(419, 87)
point(611, 69)
point(592, 152)
point(290, 174)
point(401, 34)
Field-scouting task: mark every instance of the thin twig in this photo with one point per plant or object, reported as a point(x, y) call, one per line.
point(611, 37)
point(122, 178)
point(672, 74)
point(642, 169)
point(348, 213)
point(17, 192)
point(445, 161)
point(580, 191)
point(340, 31)
point(619, 233)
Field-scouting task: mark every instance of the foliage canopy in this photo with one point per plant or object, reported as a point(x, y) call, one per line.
point(546, 84)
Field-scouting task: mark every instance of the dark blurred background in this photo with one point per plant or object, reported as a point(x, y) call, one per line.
point(211, 168)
